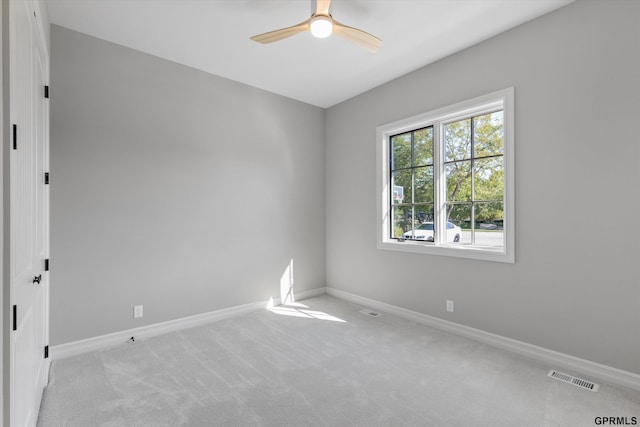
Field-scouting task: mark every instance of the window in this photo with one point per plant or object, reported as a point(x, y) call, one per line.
point(445, 181)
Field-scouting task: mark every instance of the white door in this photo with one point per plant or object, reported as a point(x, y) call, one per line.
point(28, 212)
point(41, 128)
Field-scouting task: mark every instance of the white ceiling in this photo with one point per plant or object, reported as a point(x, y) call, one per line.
point(213, 36)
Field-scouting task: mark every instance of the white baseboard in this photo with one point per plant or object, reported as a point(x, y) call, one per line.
point(555, 359)
point(310, 294)
point(103, 341)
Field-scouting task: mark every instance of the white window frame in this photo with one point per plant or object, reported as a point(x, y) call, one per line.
point(503, 99)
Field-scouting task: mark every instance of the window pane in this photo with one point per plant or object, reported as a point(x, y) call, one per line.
point(421, 228)
point(423, 182)
point(489, 178)
point(402, 222)
point(423, 147)
point(398, 194)
point(489, 224)
point(401, 184)
point(458, 176)
point(459, 215)
point(424, 213)
point(457, 140)
point(488, 134)
point(401, 151)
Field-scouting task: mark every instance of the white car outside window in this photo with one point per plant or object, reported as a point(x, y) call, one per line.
point(425, 232)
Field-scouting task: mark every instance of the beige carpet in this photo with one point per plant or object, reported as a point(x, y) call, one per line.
point(322, 363)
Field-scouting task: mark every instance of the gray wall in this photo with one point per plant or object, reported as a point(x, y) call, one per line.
point(174, 189)
point(575, 285)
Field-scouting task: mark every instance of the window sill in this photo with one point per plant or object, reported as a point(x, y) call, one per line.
point(470, 252)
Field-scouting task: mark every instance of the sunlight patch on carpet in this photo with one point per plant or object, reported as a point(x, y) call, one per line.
point(300, 310)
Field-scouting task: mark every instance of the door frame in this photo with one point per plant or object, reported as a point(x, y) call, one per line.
point(4, 261)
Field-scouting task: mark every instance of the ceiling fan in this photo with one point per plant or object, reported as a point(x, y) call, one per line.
point(321, 24)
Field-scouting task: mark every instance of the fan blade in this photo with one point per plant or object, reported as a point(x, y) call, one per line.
point(322, 7)
point(359, 37)
point(283, 33)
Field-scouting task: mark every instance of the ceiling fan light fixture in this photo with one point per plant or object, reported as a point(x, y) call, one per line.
point(321, 26)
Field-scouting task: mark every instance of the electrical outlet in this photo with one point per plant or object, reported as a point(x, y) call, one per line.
point(450, 305)
point(137, 311)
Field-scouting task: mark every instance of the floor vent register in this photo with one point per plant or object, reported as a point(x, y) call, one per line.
point(570, 379)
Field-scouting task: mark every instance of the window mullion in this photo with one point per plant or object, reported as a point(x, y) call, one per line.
point(440, 185)
point(473, 181)
point(390, 184)
point(413, 173)
point(413, 186)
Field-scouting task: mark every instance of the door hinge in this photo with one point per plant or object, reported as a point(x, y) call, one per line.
point(15, 137)
point(46, 264)
point(46, 177)
point(46, 91)
point(46, 351)
point(15, 317)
